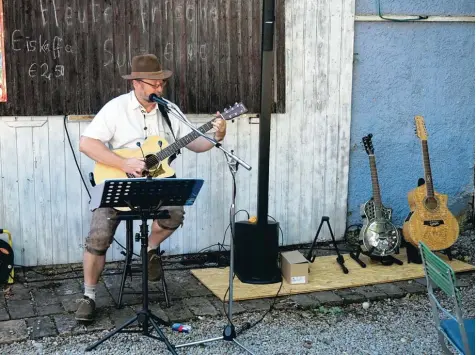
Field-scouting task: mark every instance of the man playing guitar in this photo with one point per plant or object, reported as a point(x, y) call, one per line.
point(122, 123)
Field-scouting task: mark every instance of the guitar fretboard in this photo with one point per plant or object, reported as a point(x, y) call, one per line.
point(426, 165)
point(375, 184)
point(182, 142)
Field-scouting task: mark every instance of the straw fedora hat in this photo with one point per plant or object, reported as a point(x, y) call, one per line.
point(147, 66)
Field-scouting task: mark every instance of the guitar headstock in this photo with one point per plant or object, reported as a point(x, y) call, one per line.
point(420, 128)
point(234, 111)
point(367, 140)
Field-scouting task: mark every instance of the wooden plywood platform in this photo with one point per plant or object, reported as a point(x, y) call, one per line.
point(325, 274)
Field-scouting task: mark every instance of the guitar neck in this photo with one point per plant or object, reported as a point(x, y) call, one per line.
point(375, 184)
point(426, 165)
point(182, 142)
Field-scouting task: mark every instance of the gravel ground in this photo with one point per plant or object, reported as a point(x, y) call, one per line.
point(393, 326)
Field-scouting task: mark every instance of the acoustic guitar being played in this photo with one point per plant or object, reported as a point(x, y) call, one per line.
point(156, 152)
point(429, 220)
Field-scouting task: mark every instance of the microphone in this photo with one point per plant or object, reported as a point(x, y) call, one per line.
point(159, 100)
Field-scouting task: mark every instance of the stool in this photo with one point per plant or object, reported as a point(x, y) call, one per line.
point(128, 269)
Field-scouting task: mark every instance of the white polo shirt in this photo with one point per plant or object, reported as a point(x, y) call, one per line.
point(123, 121)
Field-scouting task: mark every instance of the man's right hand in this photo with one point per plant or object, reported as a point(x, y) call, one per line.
point(134, 166)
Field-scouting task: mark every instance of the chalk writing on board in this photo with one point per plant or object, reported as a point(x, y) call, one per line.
point(45, 71)
point(56, 46)
point(59, 15)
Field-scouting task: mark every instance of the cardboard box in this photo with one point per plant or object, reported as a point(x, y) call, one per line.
point(294, 267)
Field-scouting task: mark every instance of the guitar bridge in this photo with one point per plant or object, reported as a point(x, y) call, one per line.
point(434, 222)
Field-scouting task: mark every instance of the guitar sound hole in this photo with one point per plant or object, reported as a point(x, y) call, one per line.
point(151, 162)
point(431, 203)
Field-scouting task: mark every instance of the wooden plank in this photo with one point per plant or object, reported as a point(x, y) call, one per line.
point(43, 216)
point(332, 124)
point(214, 49)
point(175, 244)
point(244, 179)
point(255, 57)
point(11, 205)
point(58, 189)
point(283, 127)
point(306, 213)
point(325, 275)
point(191, 82)
point(280, 48)
point(120, 60)
point(343, 162)
point(202, 206)
point(180, 47)
point(203, 56)
point(319, 127)
point(73, 194)
point(169, 49)
point(26, 189)
point(68, 56)
point(296, 109)
point(87, 165)
point(190, 232)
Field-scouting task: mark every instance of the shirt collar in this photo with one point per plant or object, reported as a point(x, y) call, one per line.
point(134, 104)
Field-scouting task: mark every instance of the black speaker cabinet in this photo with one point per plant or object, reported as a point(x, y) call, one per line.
point(256, 254)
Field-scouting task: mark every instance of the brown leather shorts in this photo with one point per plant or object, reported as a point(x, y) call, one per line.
point(101, 233)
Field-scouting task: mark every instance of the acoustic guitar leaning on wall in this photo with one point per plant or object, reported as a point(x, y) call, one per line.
point(429, 220)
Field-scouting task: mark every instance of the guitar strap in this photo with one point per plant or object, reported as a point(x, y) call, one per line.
point(167, 119)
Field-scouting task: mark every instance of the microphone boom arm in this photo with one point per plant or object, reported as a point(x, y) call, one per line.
point(176, 112)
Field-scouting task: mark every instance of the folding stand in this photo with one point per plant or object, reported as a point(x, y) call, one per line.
point(339, 259)
point(144, 197)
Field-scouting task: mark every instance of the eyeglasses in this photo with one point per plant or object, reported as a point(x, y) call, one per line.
point(155, 86)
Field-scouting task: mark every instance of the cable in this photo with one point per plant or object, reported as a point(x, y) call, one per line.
point(248, 326)
point(418, 18)
point(80, 174)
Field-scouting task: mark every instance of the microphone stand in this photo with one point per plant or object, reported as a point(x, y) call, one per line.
point(229, 332)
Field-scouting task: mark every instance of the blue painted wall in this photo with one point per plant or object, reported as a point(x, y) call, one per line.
point(407, 69)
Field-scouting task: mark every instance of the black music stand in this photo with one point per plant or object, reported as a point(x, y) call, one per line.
point(144, 197)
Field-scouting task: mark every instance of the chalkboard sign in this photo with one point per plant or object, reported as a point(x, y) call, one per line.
point(67, 56)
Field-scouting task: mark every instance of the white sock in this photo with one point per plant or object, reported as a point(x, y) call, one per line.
point(90, 291)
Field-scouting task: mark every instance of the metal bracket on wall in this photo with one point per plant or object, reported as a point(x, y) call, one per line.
point(26, 121)
point(80, 118)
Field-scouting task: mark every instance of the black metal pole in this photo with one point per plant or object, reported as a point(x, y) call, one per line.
point(267, 39)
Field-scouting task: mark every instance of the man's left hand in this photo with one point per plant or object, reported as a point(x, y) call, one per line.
point(220, 126)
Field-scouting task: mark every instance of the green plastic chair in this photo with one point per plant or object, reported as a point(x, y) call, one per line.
point(458, 331)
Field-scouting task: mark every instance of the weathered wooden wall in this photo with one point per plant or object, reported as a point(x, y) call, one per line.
point(67, 56)
point(46, 207)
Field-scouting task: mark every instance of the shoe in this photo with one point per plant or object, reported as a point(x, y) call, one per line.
point(86, 309)
point(154, 266)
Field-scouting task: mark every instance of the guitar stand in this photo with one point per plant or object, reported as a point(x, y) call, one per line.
point(339, 259)
point(414, 256)
point(384, 260)
point(144, 197)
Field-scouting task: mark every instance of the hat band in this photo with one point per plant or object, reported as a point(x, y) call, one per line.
point(145, 73)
